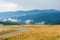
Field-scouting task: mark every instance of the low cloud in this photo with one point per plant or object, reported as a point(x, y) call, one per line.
point(41, 22)
point(10, 19)
point(28, 21)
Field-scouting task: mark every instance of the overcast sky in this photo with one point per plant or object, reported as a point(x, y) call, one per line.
point(14, 5)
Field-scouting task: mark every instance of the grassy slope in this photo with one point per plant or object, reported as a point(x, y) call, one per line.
point(39, 32)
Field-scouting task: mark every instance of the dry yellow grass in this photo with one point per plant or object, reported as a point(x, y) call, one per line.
point(2, 26)
point(6, 31)
point(29, 26)
point(39, 32)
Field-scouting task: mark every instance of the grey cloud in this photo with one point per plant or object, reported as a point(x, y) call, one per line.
point(38, 4)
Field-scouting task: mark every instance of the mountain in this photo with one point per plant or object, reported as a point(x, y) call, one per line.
point(31, 17)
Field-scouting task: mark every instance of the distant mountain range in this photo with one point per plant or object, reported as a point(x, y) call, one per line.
point(31, 17)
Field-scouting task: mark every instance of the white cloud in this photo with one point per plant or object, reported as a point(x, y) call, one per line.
point(28, 21)
point(12, 20)
point(41, 22)
point(4, 20)
point(9, 7)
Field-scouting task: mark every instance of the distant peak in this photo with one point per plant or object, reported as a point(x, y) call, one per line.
point(44, 10)
point(52, 10)
point(36, 10)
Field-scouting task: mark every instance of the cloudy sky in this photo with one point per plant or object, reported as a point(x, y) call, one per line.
point(14, 5)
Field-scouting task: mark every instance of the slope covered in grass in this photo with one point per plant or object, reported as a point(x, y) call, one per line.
point(40, 32)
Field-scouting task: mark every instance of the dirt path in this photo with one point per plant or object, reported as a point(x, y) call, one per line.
point(13, 33)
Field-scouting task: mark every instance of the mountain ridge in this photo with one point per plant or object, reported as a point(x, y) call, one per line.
point(32, 17)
